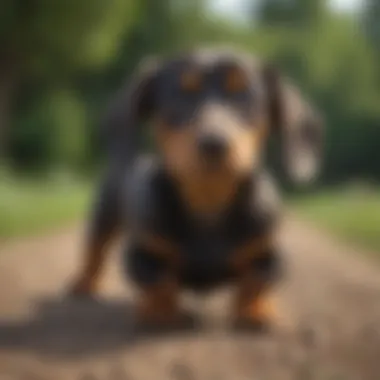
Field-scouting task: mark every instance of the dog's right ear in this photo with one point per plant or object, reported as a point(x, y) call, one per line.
point(133, 105)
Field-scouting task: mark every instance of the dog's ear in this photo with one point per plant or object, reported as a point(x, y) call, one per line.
point(299, 126)
point(133, 105)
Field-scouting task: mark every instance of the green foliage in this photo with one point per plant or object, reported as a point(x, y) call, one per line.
point(64, 113)
point(52, 132)
point(371, 22)
point(65, 34)
point(291, 13)
point(53, 42)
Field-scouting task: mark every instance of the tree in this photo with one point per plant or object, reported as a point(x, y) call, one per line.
point(54, 40)
point(372, 22)
point(291, 13)
point(329, 57)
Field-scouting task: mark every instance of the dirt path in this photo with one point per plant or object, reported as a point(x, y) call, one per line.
point(330, 302)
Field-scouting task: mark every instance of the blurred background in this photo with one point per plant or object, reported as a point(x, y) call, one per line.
point(60, 61)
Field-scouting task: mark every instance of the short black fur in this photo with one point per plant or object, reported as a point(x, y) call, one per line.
point(205, 249)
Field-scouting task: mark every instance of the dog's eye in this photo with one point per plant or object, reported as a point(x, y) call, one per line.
point(191, 81)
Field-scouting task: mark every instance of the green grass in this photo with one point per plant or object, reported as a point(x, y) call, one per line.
point(354, 216)
point(34, 207)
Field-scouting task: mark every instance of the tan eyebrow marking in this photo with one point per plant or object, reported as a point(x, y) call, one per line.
point(235, 80)
point(191, 80)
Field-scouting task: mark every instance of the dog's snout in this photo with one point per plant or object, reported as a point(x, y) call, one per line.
point(212, 146)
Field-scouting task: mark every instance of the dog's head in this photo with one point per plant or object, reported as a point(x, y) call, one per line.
point(212, 111)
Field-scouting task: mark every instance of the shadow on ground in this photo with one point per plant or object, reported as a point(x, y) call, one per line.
point(78, 328)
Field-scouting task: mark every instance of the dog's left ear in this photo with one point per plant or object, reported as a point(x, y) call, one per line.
point(133, 105)
point(299, 126)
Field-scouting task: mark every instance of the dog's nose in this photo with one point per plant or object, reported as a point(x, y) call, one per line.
point(212, 146)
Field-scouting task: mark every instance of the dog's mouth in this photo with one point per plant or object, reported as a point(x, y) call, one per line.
point(213, 166)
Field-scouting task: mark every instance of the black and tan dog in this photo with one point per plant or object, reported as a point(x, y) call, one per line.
point(204, 212)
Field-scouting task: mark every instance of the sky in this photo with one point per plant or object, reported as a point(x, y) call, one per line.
point(347, 4)
point(236, 8)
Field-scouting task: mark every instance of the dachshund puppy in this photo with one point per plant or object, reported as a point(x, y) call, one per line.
point(203, 213)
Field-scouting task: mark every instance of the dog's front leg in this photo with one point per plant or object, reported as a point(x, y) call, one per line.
point(158, 304)
point(104, 225)
point(258, 267)
point(152, 264)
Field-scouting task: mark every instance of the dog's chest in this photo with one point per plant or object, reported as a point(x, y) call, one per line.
point(205, 248)
point(204, 256)
point(203, 239)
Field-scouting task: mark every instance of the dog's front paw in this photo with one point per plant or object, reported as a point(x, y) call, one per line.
point(256, 314)
point(157, 308)
point(82, 289)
